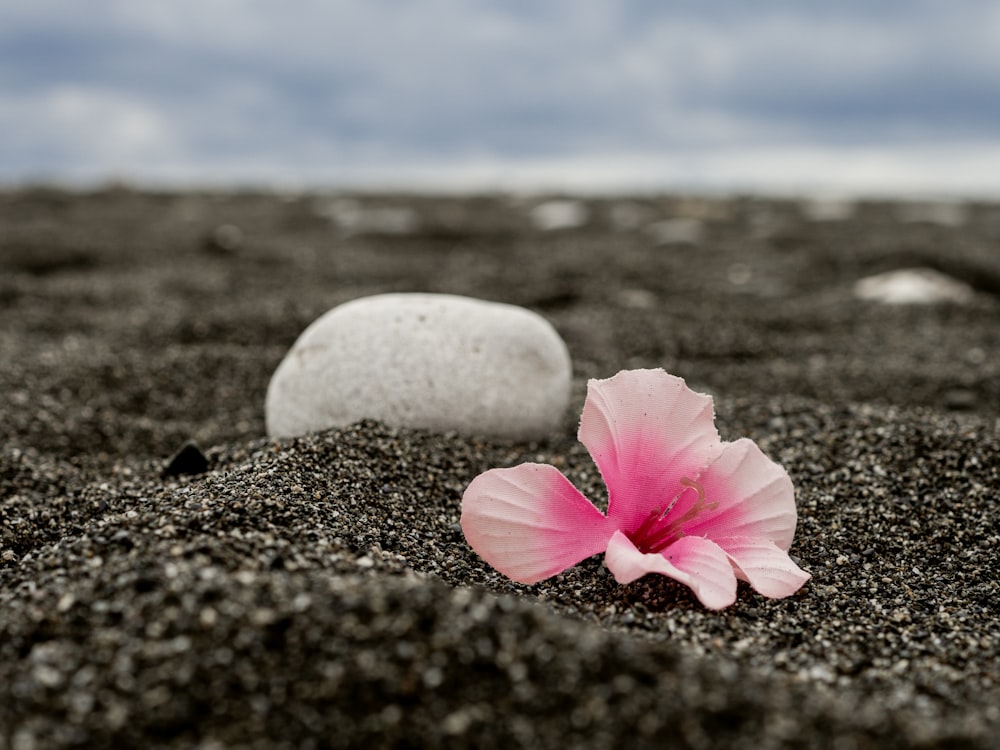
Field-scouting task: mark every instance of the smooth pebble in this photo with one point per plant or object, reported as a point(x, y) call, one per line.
point(912, 286)
point(559, 214)
point(433, 361)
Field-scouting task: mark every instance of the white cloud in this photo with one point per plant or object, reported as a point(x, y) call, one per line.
point(117, 125)
point(80, 130)
point(630, 90)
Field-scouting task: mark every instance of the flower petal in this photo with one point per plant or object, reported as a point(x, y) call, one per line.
point(696, 562)
point(530, 523)
point(646, 430)
point(752, 495)
point(768, 569)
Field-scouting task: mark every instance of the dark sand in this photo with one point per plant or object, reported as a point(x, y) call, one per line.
point(318, 592)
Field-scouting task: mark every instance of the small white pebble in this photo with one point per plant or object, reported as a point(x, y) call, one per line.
point(433, 361)
point(208, 617)
point(912, 286)
point(559, 214)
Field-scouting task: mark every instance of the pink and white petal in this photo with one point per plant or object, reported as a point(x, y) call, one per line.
point(645, 430)
point(747, 495)
point(529, 522)
point(769, 570)
point(698, 563)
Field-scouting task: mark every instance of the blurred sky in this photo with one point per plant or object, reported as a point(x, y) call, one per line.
point(860, 96)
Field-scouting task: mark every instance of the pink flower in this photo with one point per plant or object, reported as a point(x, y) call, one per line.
point(680, 501)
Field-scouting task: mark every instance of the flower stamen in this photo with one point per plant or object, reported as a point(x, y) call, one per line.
point(653, 535)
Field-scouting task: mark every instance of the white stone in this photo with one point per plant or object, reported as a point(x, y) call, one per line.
point(912, 286)
point(559, 214)
point(433, 361)
point(353, 217)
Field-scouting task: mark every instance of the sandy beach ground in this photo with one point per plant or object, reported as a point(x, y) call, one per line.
point(318, 592)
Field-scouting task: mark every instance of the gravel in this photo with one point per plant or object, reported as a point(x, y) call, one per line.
point(318, 592)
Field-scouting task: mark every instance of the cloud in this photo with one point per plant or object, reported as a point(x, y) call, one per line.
point(329, 88)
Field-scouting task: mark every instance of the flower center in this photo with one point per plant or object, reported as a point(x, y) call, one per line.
point(664, 527)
